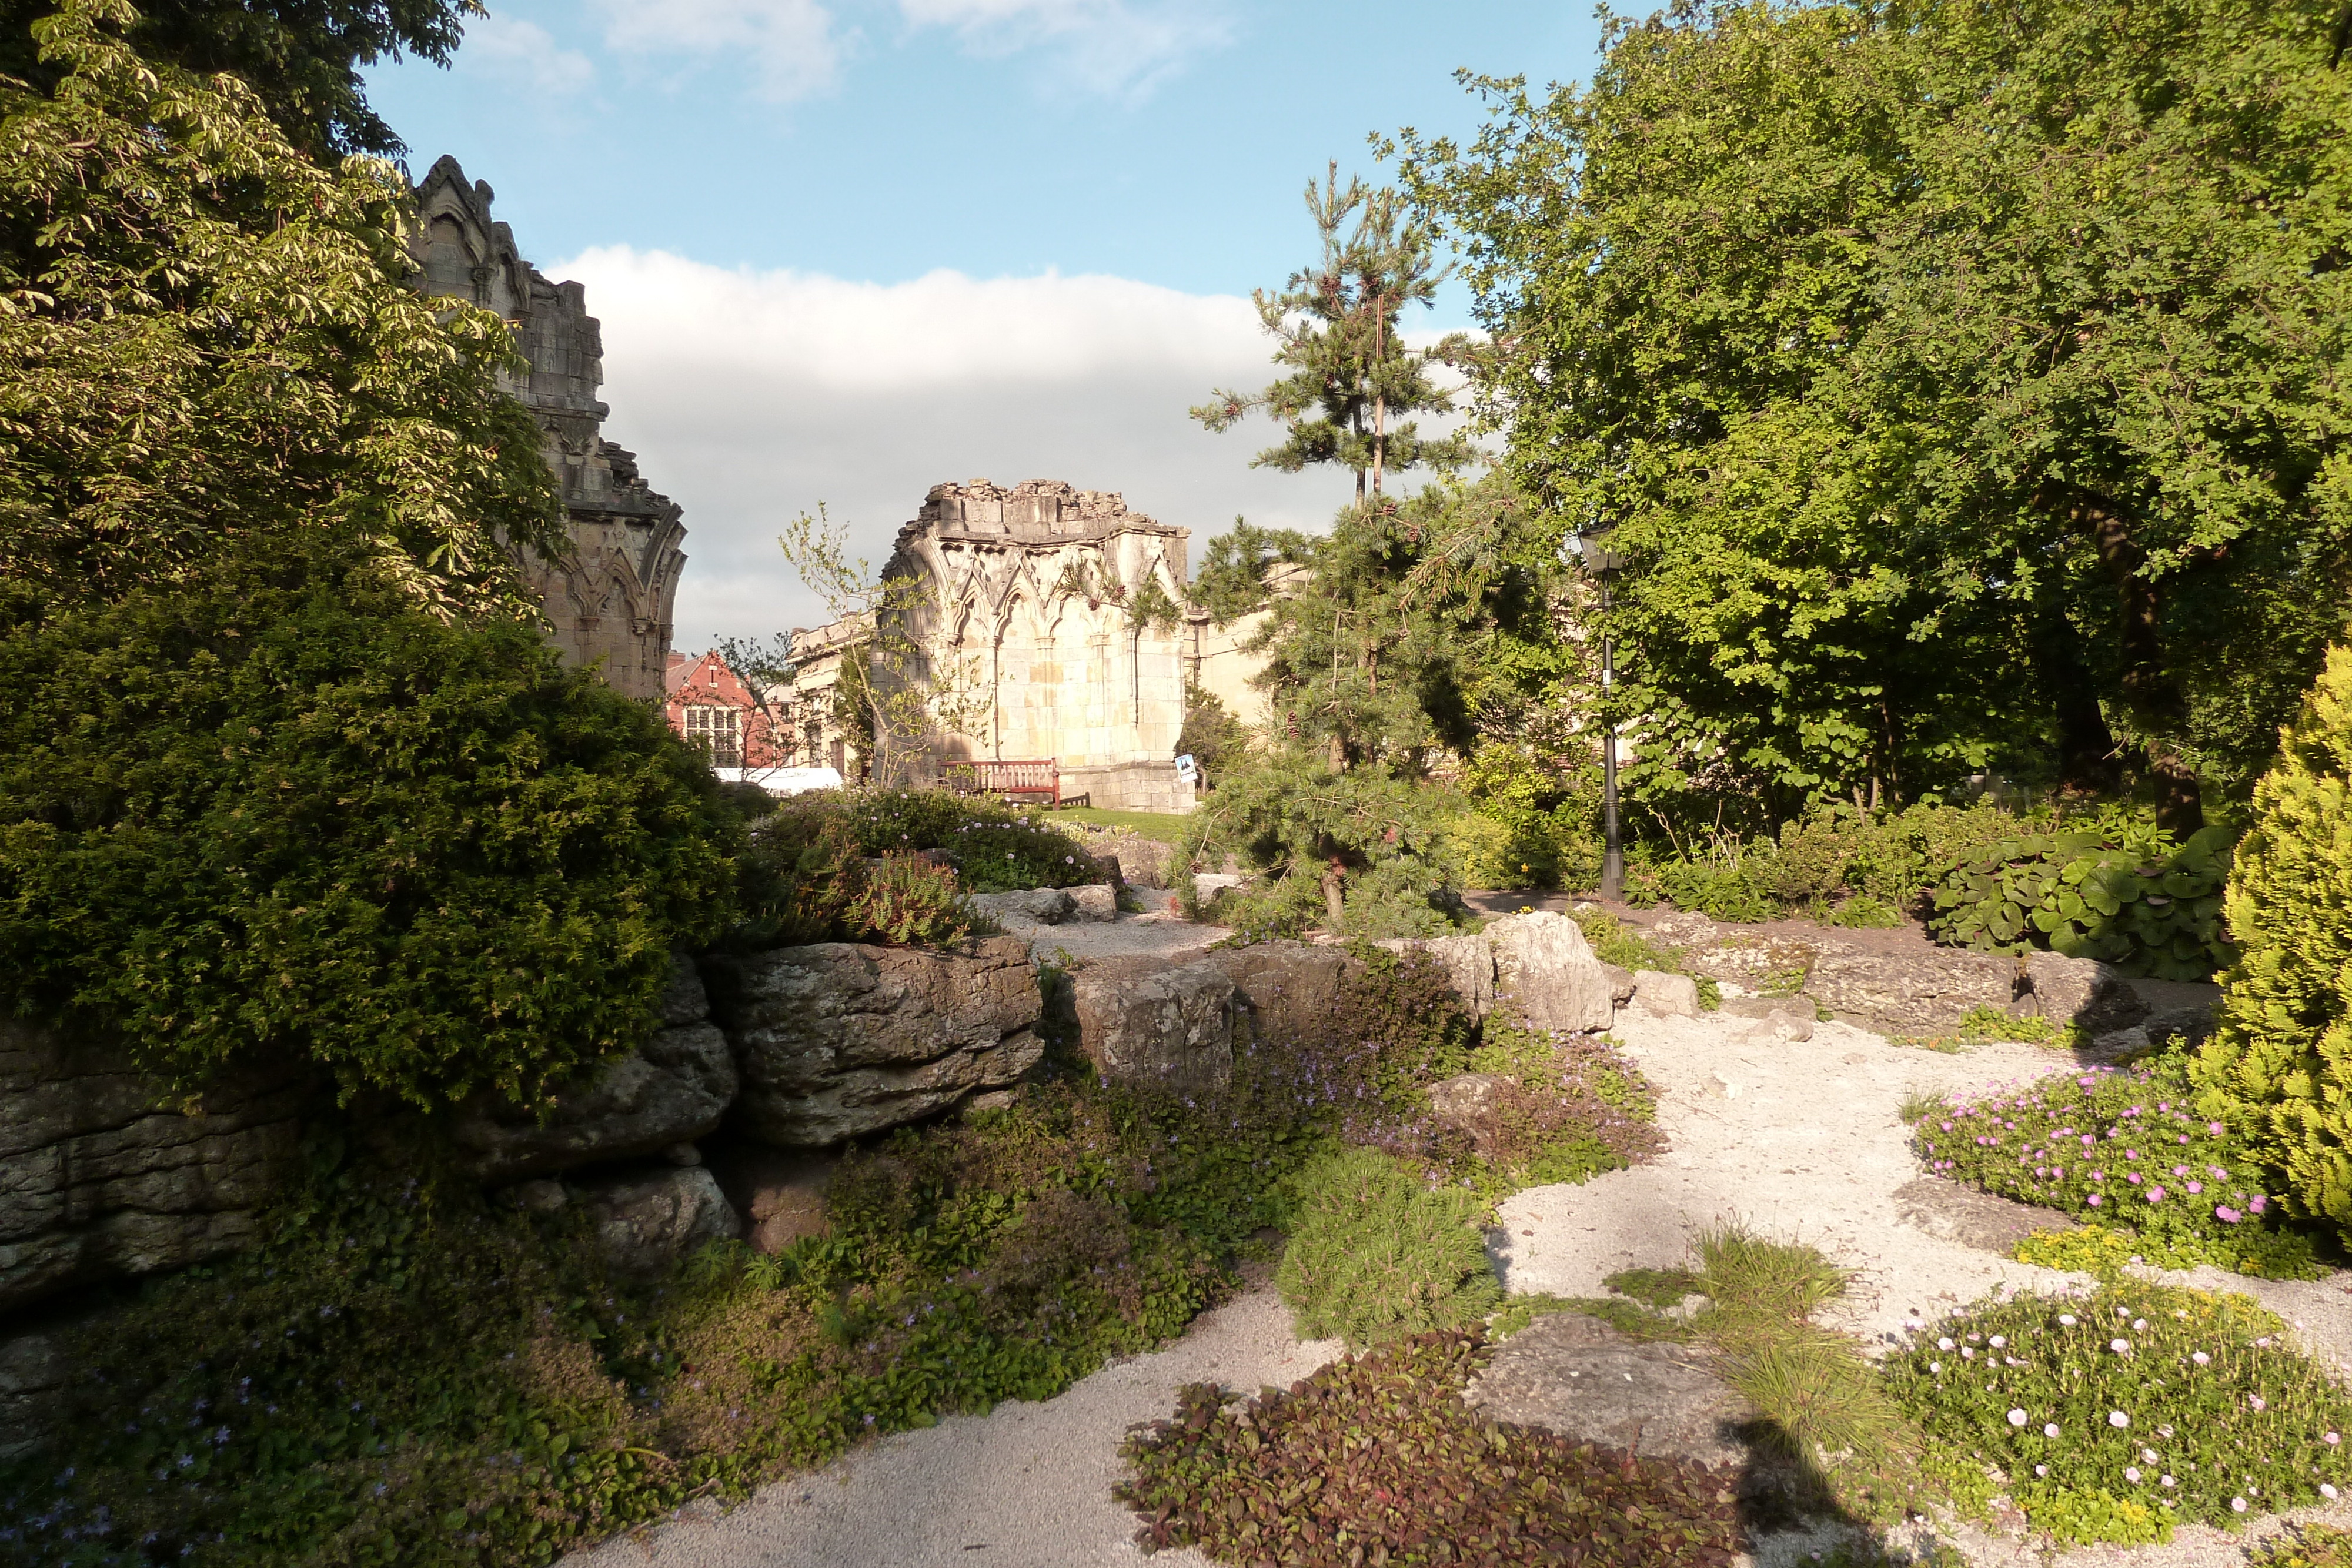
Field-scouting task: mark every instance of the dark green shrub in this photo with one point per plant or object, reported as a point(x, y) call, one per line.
point(2117, 1415)
point(1548, 818)
point(1379, 1252)
point(2119, 891)
point(1376, 1458)
point(2274, 1064)
point(1213, 735)
point(994, 847)
point(2125, 1149)
point(806, 879)
point(275, 808)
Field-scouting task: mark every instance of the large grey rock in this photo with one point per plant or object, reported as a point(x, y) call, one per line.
point(1173, 1026)
point(1768, 1017)
point(34, 1371)
point(673, 1089)
point(1282, 990)
point(1469, 963)
point(1467, 1103)
point(1097, 902)
point(1027, 906)
point(838, 1039)
point(1921, 993)
point(1664, 995)
point(1972, 1218)
point(102, 1175)
point(2095, 997)
point(1624, 983)
point(1544, 965)
point(646, 1224)
point(1577, 1377)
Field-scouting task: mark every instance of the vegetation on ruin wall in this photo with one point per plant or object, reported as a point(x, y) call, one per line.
point(1989, 438)
point(406, 1373)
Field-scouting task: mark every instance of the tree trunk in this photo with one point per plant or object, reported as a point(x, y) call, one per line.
point(2089, 760)
point(1338, 752)
point(2150, 694)
point(1334, 894)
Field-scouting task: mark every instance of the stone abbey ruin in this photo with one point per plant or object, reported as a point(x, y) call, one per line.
point(612, 600)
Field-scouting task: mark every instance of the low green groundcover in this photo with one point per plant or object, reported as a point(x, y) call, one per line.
point(1375, 1459)
point(2116, 1414)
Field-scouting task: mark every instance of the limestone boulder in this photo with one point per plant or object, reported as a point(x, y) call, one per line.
point(1768, 1017)
point(2095, 998)
point(646, 1224)
point(1624, 983)
point(670, 1090)
point(1918, 993)
point(1979, 1219)
point(1575, 1375)
point(1282, 990)
point(838, 1039)
point(1469, 962)
point(104, 1176)
point(1662, 995)
point(1025, 906)
point(1544, 965)
point(1095, 904)
point(1140, 1022)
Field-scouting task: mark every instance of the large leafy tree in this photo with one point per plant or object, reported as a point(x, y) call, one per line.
point(205, 335)
point(1352, 379)
point(1962, 380)
point(301, 56)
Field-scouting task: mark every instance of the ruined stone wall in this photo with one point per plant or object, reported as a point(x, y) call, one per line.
point(611, 601)
point(1032, 620)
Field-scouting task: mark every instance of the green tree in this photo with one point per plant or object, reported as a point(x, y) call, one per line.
point(2007, 416)
point(1339, 323)
point(206, 337)
point(301, 56)
point(1231, 579)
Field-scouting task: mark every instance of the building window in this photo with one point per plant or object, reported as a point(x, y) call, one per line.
point(718, 731)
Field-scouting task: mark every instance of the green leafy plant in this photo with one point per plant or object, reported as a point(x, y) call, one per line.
point(2306, 1546)
point(2120, 892)
point(1379, 1253)
point(2116, 1414)
point(2273, 1066)
point(271, 808)
point(2126, 1148)
point(1375, 1459)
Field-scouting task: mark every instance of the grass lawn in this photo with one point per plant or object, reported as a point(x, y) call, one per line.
point(1165, 826)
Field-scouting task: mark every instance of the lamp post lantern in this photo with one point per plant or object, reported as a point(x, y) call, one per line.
point(1602, 562)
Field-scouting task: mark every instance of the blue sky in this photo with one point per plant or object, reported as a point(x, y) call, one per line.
point(843, 251)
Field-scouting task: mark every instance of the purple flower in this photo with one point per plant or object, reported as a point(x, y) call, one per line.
point(2226, 1215)
point(2156, 1195)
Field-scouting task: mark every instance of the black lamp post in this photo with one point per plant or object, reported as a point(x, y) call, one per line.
point(1602, 562)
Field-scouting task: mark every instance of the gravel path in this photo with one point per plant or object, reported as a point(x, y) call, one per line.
point(1797, 1139)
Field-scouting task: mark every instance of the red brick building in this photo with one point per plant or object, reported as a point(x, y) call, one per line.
point(710, 705)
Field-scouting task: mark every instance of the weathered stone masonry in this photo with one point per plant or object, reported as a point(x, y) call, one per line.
point(612, 599)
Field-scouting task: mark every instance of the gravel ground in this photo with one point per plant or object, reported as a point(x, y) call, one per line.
point(1797, 1139)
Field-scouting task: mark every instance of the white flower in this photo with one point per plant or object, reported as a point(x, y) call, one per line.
point(2131, 1474)
point(2237, 1505)
point(2327, 1491)
point(2148, 1454)
point(2118, 1418)
point(2066, 1318)
point(2140, 1325)
point(2167, 1480)
point(2257, 1400)
point(1968, 1352)
point(1944, 1343)
point(2050, 1428)
point(2202, 1359)
point(2119, 1345)
point(2017, 1417)
point(1999, 1340)
point(1935, 1366)
point(2042, 1469)
point(2330, 1439)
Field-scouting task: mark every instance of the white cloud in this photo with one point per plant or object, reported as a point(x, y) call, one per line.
point(751, 396)
point(1117, 48)
point(790, 43)
point(523, 52)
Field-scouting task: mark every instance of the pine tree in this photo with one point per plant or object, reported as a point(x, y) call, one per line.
point(1338, 322)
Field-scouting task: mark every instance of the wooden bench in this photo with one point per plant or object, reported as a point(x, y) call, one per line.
point(1036, 781)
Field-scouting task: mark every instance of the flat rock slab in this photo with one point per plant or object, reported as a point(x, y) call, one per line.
point(1575, 1375)
point(1972, 1218)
